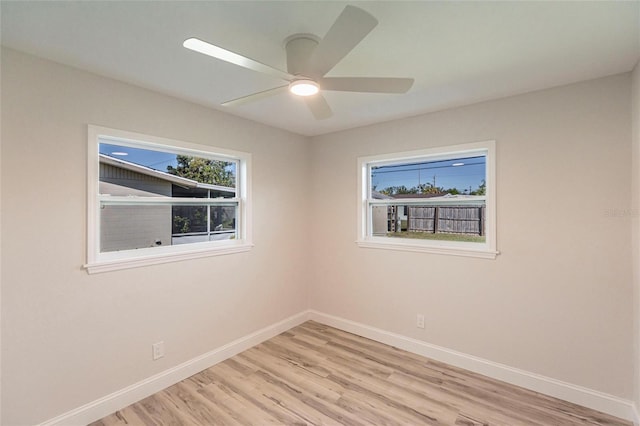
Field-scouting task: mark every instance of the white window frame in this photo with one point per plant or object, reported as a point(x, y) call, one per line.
point(486, 250)
point(110, 261)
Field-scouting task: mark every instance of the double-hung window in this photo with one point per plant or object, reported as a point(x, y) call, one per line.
point(153, 200)
point(439, 200)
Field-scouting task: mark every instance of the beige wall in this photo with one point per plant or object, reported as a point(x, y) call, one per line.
point(69, 338)
point(557, 300)
point(635, 234)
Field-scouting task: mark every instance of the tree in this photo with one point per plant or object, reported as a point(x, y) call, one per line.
point(214, 172)
point(482, 189)
point(423, 188)
point(452, 191)
point(393, 190)
point(428, 188)
point(203, 170)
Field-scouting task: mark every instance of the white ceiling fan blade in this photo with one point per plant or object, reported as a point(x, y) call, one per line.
point(318, 106)
point(367, 84)
point(255, 96)
point(228, 56)
point(350, 28)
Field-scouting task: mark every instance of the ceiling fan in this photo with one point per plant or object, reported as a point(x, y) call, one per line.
point(309, 59)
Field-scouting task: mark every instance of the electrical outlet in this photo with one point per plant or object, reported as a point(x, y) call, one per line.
point(158, 350)
point(420, 321)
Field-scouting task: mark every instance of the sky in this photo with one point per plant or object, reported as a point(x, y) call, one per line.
point(460, 173)
point(157, 160)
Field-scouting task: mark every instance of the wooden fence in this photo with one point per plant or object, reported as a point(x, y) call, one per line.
point(467, 220)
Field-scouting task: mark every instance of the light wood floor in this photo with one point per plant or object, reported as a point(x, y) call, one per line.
point(317, 375)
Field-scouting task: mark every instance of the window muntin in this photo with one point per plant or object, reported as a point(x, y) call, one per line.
point(442, 199)
point(151, 198)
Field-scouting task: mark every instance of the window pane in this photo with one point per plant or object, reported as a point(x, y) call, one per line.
point(454, 191)
point(137, 172)
point(190, 224)
point(222, 225)
point(146, 172)
point(131, 226)
point(127, 227)
point(444, 221)
point(463, 175)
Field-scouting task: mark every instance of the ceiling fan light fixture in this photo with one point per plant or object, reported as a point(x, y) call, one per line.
point(304, 87)
point(309, 59)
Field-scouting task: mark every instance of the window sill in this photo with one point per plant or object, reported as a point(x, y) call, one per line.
point(457, 250)
point(138, 261)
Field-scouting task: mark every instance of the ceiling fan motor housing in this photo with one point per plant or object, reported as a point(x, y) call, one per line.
point(299, 48)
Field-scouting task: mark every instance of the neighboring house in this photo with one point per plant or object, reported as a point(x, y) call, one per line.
point(124, 227)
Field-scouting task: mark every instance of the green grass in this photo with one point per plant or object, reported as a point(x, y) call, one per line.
point(440, 237)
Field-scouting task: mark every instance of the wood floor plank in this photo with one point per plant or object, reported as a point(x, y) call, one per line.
point(317, 375)
point(232, 408)
point(290, 380)
point(464, 420)
point(254, 393)
point(189, 400)
point(369, 376)
point(459, 401)
point(368, 411)
point(313, 384)
point(126, 416)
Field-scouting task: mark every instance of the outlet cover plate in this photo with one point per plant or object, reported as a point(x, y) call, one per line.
point(158, 350)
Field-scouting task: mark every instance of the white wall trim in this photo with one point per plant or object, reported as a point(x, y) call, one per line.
point(546, 385)
point(106, 405)
point(375, 243)
point(636, 415)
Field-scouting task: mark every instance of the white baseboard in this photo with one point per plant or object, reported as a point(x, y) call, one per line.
point(102, 407)
point(566, 391)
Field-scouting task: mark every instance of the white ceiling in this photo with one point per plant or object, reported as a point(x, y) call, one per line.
point(458, 52)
